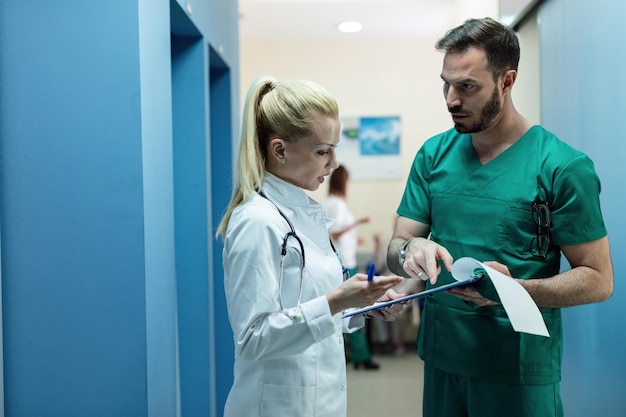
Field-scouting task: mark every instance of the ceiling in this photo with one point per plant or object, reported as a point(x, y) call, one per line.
point(269, 20)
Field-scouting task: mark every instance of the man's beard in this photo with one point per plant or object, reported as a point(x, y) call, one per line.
point(488, 114)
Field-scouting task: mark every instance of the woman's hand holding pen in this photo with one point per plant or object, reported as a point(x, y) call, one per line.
point(388, 313)
point(357, 291)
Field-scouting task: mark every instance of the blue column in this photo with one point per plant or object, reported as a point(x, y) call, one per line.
point(87, 209)
point(583, 105)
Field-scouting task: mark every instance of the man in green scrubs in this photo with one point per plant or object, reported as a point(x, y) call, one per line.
point(510, 194)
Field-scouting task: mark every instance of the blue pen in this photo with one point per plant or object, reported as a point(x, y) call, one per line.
point(370, 272)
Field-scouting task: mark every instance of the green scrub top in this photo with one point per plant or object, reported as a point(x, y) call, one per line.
point(484, 211)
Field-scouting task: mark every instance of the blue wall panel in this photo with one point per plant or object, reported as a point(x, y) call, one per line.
point(582, 54)
point(89, 268)
point(73, 269)
point(158, 213)
point(221, 173)
point(190, 149)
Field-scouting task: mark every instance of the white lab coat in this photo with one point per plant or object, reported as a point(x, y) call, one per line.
point(283, 366)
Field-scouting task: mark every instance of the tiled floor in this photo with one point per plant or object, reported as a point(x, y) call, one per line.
point(393, 390)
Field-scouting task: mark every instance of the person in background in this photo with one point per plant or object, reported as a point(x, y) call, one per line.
point(344, 233)
point(283, 281)
point(511, 194)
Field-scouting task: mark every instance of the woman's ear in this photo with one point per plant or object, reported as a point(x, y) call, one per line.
point(277, 149)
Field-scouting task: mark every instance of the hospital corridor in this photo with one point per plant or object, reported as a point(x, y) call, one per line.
point(127, 137)
point(393, 390)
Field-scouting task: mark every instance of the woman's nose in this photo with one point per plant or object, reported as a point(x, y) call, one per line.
point(333, 162)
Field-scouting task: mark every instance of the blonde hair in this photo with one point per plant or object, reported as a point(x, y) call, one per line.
point(285, 109)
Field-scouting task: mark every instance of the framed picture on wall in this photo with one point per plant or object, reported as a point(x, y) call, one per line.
point(370, 147)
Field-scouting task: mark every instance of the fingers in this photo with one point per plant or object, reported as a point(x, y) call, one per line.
point(445, 257)
point(381, 284)
point(388, 313)
point(498, 267)
point(376, 313)
point(433, 268)
point(362, 292)
point(381, 281)
point(419, 269)
point(386, 282)
point(415, 270)
point(468, 293)
point(391, 312)
point(422, 263)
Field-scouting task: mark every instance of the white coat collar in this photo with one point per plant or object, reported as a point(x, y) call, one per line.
point(280, 190)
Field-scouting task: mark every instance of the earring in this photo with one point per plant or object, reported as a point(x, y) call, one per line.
point(283, 160)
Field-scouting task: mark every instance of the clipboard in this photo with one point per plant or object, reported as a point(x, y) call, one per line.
point(478, 275)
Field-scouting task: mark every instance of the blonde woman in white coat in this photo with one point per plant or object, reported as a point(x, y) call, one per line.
point(289, 354)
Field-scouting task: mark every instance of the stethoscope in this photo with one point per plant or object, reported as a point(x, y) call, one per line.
point(295, 314)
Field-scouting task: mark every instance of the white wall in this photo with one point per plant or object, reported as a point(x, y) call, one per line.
point(526, 93)
point(379, 78)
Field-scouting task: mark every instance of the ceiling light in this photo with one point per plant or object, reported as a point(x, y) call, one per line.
point(350, 27)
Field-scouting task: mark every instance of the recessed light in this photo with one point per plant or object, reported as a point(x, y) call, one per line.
point(350, 27)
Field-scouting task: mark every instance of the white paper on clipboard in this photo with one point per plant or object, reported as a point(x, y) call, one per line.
point(521, 309)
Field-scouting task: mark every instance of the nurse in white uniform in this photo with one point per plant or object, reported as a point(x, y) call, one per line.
point(284, 283)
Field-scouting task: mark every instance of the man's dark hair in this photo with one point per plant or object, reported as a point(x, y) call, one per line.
point(499, 42)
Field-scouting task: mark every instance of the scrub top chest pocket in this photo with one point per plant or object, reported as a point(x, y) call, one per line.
point(518, 231)
point(482, 227)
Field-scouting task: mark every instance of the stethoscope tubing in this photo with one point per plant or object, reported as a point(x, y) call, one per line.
point(283, 253)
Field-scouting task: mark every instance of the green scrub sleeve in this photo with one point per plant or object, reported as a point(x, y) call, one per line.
point(576, 191)
point(415, 203)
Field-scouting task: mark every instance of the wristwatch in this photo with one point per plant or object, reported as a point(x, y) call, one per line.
point(402, 251)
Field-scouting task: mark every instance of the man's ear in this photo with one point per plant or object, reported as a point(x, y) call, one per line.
point(508, 79)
